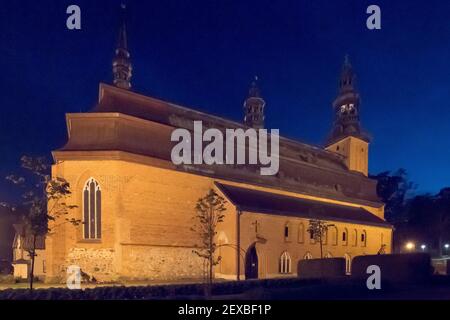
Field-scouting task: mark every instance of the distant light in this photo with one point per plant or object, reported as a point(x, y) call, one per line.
point(446, 246)
point(410, 245)
point(423, 247)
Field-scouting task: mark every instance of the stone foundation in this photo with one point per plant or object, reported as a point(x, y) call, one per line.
point(98, 263)
point(160, 263)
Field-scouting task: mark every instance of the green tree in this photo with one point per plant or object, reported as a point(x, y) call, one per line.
point(43, 199)
point(209, 213)
point(394, 189)
point(318, 230)
point(414, 225)
point(429, 219)
point(442, 219)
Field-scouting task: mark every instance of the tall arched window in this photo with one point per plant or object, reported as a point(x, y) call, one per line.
point(348, 263)
point(285, 263)
point(92, 210)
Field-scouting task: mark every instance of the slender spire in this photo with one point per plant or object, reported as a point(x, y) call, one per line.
point(348, 78)
point(122, 68)
point(346, 107)
point(254, 107)
point(254, 91)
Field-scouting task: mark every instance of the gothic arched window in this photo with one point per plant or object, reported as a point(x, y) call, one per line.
point(348, 263)
point(92, 210)
point(307, 256)
point(285, 263)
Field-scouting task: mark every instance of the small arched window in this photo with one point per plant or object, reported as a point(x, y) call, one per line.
point(307, 256)
point(354, 237)
point(92, 210)
point(285, 263)
point(348, 263)
point(288, 231)
point(328, 255)
point(344, 237)
point(363, 238)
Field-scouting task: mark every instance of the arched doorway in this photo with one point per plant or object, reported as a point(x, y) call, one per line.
point(251, 263)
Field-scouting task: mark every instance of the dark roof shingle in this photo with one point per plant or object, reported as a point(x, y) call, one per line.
point(271, 203)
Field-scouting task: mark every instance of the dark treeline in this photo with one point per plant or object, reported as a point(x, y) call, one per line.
point(423, 219)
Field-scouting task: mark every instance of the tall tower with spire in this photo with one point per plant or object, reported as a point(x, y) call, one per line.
point(122, 68)
point(254, 107)
point(347, 136)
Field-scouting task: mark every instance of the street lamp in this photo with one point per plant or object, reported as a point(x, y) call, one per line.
point(446, 246)
point(410, 246)
point(423, 247)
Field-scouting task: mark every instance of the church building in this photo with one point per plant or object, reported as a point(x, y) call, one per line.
point(137, 207)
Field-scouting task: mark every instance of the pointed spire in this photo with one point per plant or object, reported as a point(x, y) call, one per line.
point(254, 90)
point(347, 61)
point(123, 41)
point(122, 68)
point(347, 81)
point(254, 107)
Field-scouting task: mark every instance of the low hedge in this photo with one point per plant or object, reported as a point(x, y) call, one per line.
point(321, 268)
point(395, 268)
point(152, 292)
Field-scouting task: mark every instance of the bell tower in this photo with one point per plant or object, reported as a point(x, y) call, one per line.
point(347, 136)
point(254, 107)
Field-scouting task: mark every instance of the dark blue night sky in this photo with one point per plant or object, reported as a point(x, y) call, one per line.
point(204, 54)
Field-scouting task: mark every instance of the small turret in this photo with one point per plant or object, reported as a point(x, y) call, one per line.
point(254, 107)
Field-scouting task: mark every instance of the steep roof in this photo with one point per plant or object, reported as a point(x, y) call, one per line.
point(128, 122)
point(270, 203)
point(113, 99)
